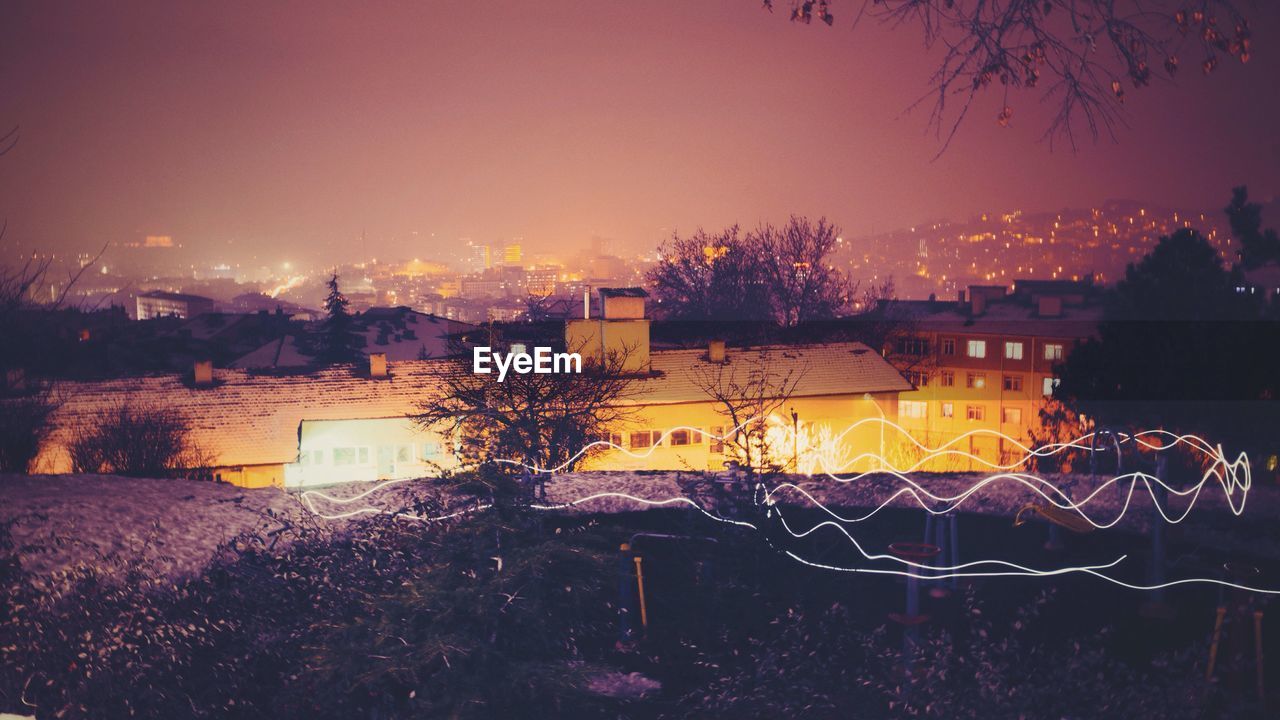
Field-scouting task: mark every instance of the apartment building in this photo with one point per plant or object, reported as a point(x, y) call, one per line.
point(983, 365)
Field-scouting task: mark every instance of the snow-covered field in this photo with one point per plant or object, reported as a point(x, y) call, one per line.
point(177, 525)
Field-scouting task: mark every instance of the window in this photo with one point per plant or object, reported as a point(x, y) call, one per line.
point(948, 346)
point(1053, 351)
point(428, 451)
point(948, 410)
point(1013, 383)
point(350, 456)
point(679, 437)
point(1049, 384)
point(912, 408)
point(977, 348)
point(975, 381)
point(947, 378)
point(404, 453)
point(1013, 351)
point(311, 457)
point(913, 346)
point(612, 438)
point(918, 378)
point(975, 412)
point(717, 444)
point(644, 439)
point(1011, 415)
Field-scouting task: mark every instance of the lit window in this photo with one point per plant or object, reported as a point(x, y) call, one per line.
point(1013, 383)
point(644, 439)
point(918, 378)
point(975, 381)
point(912, 408)
point(1049, 384)
point(977, 348)
point(947, 378)
point(975, 412)
point(345, 456)
point(949, 346)
point(1013, 350)
point(948, 409)
point(1053, 351)
point(1011, 415)
point(717, 444)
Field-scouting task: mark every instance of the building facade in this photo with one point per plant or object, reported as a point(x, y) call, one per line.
point(984, 366)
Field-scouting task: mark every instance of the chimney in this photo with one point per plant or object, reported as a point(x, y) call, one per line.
point(960, 297)
point(1049, 306)
point(978, 304)
point(377, 365)
point(715, 351)
point(202, 373)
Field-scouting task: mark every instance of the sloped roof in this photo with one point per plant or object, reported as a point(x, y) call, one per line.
point(248, 418)
point(252, 418)
point(825, 369)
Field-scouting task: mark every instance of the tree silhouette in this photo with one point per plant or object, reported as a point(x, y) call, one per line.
point(1079, 55)
point(339, 341)
point(781, 274)
point(710, 277)
point(802, 279)
point(1257, 246)
point(1180, 348)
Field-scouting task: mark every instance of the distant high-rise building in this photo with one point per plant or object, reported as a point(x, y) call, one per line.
point(478, 257)
point(512, 254)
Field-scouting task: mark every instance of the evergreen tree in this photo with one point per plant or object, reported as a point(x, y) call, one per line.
point(339, 341)
point(1257, 246)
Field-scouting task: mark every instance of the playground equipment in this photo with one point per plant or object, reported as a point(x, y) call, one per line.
point(1056, 516)
point(1237, 613)
point(943, 530)
point(630, 559)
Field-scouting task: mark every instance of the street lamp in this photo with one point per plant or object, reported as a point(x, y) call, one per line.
point(883, 420)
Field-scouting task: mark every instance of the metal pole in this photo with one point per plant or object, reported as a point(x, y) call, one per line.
point(644, 613)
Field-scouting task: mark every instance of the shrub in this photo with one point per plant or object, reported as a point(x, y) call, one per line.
point(24, 425)
point(138, 440)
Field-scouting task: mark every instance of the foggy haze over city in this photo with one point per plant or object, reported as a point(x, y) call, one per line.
point(307, 135)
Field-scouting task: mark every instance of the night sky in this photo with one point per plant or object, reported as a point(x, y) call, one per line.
point(239, 126)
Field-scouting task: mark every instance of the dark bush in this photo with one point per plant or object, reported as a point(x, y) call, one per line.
point(139, 440)
point(24, 425)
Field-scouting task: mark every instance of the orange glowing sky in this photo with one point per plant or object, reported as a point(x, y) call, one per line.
point(291, 128)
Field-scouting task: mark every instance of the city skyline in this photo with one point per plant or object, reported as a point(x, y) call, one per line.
point(288, 133)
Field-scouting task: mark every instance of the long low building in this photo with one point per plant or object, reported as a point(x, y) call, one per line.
point(355, 422)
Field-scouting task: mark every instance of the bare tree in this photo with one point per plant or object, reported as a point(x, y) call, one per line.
point(1079, 55)
point(708, 276)
point(804, 282)
point(785, 274)
point(542, 420)
point(747, 391)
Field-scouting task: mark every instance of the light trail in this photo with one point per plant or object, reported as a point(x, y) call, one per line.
point(1233, 476)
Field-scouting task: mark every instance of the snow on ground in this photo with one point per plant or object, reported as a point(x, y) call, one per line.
point(176, 525)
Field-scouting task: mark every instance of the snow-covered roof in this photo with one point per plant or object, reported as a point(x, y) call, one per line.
point(252, 417)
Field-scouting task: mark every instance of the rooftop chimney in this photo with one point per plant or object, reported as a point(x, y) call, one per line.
point(715, 351)
point(377, 365)
point(978, 303)
point(202, 373)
